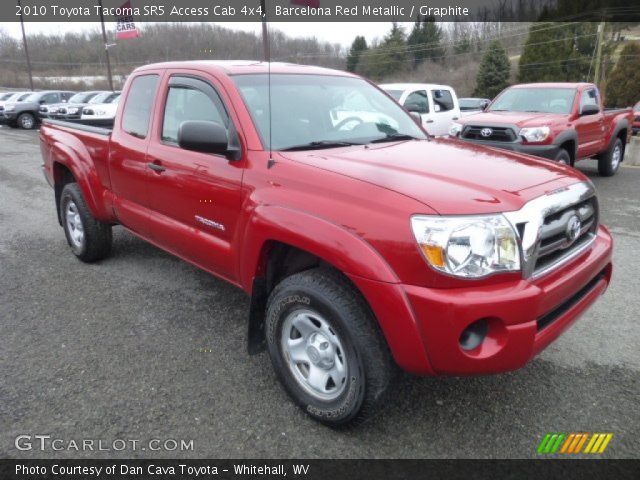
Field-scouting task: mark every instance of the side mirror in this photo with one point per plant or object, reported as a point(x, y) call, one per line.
point(203, 136)
point(484, 106)
point(416, 118)
point(589, 110)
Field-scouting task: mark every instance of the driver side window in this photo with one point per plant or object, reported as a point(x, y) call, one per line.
point(589, 97)
point(417, 102)
point(186, 102)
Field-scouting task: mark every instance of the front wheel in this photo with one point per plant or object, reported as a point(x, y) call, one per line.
point(563, 157)
point(26, 121)
point(609, 163)
point(326, 347)
point(89, 238)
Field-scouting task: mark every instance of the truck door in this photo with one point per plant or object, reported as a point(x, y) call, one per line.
point(590, 126)
point(445, 110)
point(417, 101)
point(195, 197)
point(128, 149)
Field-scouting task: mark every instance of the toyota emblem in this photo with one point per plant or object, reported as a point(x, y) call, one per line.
point(573, 228)
point(486, 132)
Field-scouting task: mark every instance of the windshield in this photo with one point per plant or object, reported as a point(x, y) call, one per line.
point(309, 110)
point(104, 97)
point(6, 96)
point(534, 99)
point(33, 97)
point(82, 97)
point(395, 93)
point(471, 103)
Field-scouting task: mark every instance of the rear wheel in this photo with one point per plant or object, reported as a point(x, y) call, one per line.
point(89, 238)
point(26, 121)
point(609, 163)
point(326, 347)
point(563, 157)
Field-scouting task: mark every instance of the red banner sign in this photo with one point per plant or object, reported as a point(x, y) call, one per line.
point(125, 26)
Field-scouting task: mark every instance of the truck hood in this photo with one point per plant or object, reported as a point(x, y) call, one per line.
point(519, 119)
point(449, 176)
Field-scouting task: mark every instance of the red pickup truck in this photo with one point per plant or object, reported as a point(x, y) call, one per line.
point(364, 245)
point(565, 122)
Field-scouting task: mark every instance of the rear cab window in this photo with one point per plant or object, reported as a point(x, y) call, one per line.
point(442, 100)
point(137, 110)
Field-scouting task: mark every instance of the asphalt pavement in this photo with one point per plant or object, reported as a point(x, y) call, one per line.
point(144, 346)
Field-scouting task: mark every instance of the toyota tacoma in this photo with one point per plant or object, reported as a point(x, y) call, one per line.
point(565, 122)
point(363, 244)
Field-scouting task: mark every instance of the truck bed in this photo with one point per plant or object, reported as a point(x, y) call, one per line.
point(101, 127)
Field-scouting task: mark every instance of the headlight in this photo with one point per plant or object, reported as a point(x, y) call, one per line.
point(467, 246)
point(455, 129)
point(9, 108)
point(535, 134)
point(53, 109)
point(100, 112)
point(72, 110)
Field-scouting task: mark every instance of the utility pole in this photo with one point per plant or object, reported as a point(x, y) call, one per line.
point(266, 53)
point(596, 75)
point(106, 48)
point(26, 48)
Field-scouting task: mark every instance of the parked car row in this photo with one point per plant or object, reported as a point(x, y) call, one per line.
point(27, 109)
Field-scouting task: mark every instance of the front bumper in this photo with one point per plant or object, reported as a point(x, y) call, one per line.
point(545, 151)
point(423, 325)
point(6, 118)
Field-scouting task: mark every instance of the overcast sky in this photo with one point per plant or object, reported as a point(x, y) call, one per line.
point(338, 32)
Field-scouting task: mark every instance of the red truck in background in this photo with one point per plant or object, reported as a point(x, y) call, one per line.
point(363, 244)
point(565, 122)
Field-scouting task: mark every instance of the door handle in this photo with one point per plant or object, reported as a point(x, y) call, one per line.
point(428, 121)
point(455, 118)
point(156, 168)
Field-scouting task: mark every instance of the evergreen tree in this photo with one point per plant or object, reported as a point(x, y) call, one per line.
point(558, 54)
point(425, 38)
point(389, 57)
point(493, 76)
point(623, 85)
point(358, 46)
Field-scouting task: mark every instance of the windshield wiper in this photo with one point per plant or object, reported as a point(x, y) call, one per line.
point(393, 137)
point(319, 144)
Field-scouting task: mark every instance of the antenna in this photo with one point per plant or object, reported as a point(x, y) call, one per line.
point(267, 58)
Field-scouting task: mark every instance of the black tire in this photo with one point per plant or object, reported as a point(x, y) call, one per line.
point(563, 157)
point(370, 367)
point(97, 238)
point(26, 121)
point(608, 163)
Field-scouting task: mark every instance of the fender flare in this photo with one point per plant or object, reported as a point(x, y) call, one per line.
point(328, 241)
point(77, 159)
point(568, 135)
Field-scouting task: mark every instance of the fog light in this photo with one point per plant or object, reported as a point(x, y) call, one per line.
point(474, 335)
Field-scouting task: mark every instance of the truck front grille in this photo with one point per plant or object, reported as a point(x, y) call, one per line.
point(556, 227)
point(559, 236)
point(495, 134)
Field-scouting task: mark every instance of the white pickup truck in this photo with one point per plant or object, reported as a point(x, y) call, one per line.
point(437, 104)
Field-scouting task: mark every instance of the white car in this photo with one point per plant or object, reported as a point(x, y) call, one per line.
point(101, 111)
point(437, 105)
